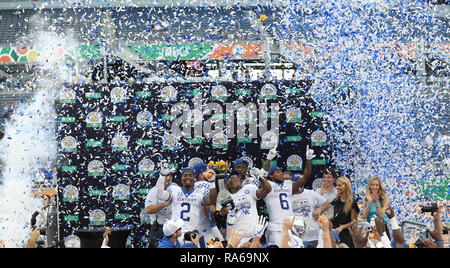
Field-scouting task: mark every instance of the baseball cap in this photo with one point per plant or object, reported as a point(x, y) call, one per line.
point(171, 226)
point(187, 170)
point(240, 161)
point(296, 176)
point(234, 172)
point(199, 168)
point(273, 169)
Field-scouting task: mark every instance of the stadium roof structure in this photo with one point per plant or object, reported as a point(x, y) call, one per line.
point(145, 35)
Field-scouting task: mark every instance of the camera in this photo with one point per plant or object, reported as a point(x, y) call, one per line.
point(433, 208)
point(187, 235)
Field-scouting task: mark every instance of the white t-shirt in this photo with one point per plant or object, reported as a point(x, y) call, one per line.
point(186, 206)
point(278, 203)
point(330, 196)
point(161, 216)
point(245, 201)
point(305, 204)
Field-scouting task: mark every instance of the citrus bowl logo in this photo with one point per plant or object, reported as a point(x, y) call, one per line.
point(121, 192)
point(118, 95)
point(318, 138)
point(317, 184)
point(97, 217)
point(72, 241)
point(67, 95)
point(94, 119)
point(244, 115)
point(219, 93)
point(70, 193)
point(269, 140)
point(168, 93)
point(169, 142)
point(95, 168)
point(294, 162)
point(144, 118)
point(119, 143)
point(145, 217)
point(293, 115)
point(69, 144)
point(146, 166)
point(220, 140)
point(269, 91)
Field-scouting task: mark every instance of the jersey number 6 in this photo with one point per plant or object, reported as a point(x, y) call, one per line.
point(283, 202)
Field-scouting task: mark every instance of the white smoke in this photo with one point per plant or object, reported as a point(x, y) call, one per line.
point(30, 140)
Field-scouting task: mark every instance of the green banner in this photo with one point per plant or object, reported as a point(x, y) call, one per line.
point(171, 52)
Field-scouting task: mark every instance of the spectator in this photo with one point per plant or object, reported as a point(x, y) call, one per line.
point(345, 210)
point(328, 190)
point(172, 231)
point(160, 212)
point(376, 202)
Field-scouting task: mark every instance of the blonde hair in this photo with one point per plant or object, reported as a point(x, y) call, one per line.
point(381, 192)
point(349, 194)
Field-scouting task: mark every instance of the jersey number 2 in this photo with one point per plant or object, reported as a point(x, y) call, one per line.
point(187, 209)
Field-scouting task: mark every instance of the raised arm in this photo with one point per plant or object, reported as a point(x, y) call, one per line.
point(211, 199)
point(326, 231)
point(264, 188)
point(436, 234)
point(270, 156)
point(307, 174)
point(161, 193)
point(396, 232)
